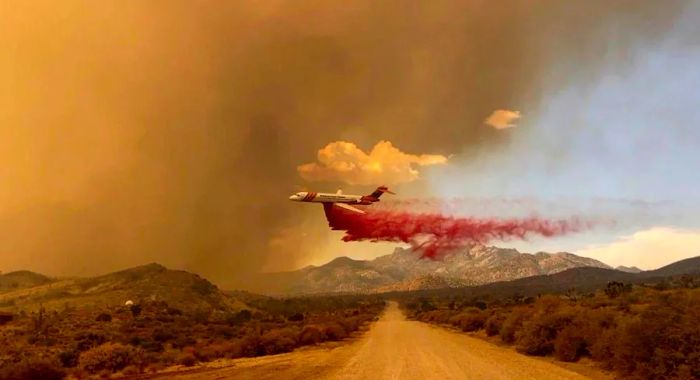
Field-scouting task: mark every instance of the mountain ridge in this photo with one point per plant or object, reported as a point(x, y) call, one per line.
point(405, 269)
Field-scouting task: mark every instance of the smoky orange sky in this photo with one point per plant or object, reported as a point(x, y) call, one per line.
point(170, 131)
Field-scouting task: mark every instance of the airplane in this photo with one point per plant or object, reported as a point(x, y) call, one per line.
point(341, 200)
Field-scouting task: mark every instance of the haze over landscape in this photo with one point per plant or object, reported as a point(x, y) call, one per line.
point(353, 189)
point(137, 133)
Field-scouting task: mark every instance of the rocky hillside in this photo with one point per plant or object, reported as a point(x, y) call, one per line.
point(147, 283)
point(404, 269)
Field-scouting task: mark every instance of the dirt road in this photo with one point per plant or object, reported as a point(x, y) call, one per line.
point(395, 348)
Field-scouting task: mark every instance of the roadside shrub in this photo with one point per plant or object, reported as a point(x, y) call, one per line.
point(187, 359)
point(239, 317)
point(493, 324)
point(471, 320)
point(602, 349)
point(334, 331)
point(131, 370)
point(570, 344)
point(109, 356)
point(278, 341)
point(511, 325)
point(161, 334)
point(69, 357)
point(249, 346)
point(183, 341)
point(104, 317)
point(311, 335)
point(33, 368)
point(89, 340)
point(350, 324)
point(537, 335)
point(207, 352)
point(436, 316)
point(135, 310)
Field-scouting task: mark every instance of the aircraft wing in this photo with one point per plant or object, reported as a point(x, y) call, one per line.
point(350, 208)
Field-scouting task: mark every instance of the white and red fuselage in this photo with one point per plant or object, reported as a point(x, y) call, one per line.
point(341, 199)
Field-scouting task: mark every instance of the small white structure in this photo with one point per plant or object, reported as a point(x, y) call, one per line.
point(128, 303)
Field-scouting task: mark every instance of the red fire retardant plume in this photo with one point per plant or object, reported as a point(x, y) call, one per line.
point(434, 233)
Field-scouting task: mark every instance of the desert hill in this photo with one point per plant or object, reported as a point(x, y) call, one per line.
point(632, 269)
point(579, 280)
point(152, 282)
point(404, 269)
point(21, 279)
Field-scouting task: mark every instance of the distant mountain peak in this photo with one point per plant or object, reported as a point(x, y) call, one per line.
point(631, 269)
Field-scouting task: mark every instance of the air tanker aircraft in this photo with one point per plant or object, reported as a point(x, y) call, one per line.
point(341, 200)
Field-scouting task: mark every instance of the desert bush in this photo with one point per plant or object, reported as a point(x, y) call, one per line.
point(427, 305)
point(536, 337)
point(334, 331)
point(89, 340)
point(173, 311)
point(163, 335)
point(69, 357)
point(512, 324)
point(109, 356)
point(493, 324)
point(278, 341)
point(104, 317)
point(187, 359)
point(436, 316)
point(244, 315)
point(131, 370)
point(33, 368)
point(226, 332)
point(205, 352)
point(350, 324)
point(135, 310)
point(471, 319)
point(203, 287)
point(183, 341)
point(146, 344)
point(570, 344)
point(249, 346)
point(311, 335)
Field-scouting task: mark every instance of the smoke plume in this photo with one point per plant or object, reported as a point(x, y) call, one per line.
point(141, 131)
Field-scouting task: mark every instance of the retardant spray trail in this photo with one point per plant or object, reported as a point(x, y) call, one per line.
point(435, 233)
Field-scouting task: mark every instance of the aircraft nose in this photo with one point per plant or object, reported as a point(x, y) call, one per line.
point(292, 197)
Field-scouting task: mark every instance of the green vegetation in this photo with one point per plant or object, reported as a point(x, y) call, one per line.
point(646, 331)
point(146, 337)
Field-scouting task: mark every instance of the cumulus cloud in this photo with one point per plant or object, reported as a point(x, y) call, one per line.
point(502, 119)
point(343, 161)
point(648, 249)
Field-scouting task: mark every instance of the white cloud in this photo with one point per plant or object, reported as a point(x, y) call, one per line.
point(343, 161)
point(648, 249)
point(502, 119)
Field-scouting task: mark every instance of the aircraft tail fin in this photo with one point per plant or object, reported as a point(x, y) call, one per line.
point(381, 190)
